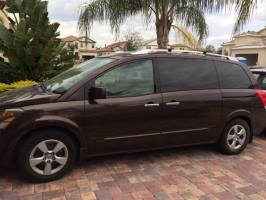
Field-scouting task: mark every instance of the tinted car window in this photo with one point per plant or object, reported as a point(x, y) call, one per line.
point(133, 79)
point(180, 74)
point(232, 76)
point(261, 78)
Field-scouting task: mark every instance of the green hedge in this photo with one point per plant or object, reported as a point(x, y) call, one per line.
point(20, 84)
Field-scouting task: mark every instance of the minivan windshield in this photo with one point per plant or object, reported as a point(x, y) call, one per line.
point(64, 81)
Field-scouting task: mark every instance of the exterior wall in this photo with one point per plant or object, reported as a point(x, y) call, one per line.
point(262, 58)
point(249, 40)
point(261, 54)
point(227, 49)
point(263, 32)
point(248, 43)
point(82, 44)
point(83, 48)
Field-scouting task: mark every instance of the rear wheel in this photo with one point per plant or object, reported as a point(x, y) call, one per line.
point(46, 155)
point(235, 137)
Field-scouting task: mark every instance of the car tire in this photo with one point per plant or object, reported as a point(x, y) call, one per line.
point(235, 137)
point(46, 155)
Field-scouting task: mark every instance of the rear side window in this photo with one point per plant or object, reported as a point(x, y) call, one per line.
point(232, 76)
point(181, 74)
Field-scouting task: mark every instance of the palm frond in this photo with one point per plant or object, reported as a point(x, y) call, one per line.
point(193, 17)
point(113, 11)
point(244, 9)
point(189, 39)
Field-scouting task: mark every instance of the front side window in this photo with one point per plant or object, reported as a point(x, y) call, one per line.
point(128, 80)
point(232, 76)
point(182, 74)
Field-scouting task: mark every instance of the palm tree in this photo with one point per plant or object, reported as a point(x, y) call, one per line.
point(190, 13)
point(244, 9)
point(165, 12)
point(189, 39)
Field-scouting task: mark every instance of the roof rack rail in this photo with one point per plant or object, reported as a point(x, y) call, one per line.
point(151, 51)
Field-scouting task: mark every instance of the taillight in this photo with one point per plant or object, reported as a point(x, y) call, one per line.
point(262, 95)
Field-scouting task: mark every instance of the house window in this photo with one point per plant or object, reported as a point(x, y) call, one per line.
point(81, 45)
point(92, 46)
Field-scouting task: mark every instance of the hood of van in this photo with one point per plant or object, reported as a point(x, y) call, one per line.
point(25, 96)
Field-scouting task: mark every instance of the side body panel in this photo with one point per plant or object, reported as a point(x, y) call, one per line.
point(123, 124)
point(194, 120)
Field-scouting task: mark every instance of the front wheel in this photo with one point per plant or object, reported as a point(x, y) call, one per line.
point(46, 155)
point(235, 137)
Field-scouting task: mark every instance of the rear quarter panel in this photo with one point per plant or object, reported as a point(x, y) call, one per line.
point(243, 103)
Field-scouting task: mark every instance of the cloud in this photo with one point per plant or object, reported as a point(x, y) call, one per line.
point(260, 13)
point(102, 34)
point(64, 10)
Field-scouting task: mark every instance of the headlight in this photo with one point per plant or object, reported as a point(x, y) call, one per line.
point(9, 115)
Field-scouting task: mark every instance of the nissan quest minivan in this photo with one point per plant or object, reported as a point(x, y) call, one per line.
point(126, 103)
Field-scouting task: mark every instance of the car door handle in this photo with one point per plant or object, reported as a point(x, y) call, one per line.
point(152, 105)
point(174, 103)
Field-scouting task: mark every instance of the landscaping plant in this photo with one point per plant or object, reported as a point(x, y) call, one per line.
point(31, 43)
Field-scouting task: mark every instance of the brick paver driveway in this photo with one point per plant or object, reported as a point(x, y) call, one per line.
point(184, 173)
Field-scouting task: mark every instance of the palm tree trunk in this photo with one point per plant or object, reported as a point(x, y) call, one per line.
point(163, 26)
point(162, 35)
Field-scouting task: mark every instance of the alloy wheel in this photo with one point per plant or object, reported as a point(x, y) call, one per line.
point(236, 137)
point(48, 157)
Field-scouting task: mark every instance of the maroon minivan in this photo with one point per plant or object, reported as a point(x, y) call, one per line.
point(127, 103)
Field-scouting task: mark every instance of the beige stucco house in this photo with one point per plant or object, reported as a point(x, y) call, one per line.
point(250, 45)
point(84, 47)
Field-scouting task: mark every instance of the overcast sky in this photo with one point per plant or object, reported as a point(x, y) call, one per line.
point(220, 26)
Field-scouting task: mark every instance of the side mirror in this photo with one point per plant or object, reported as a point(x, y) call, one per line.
point(97, 93)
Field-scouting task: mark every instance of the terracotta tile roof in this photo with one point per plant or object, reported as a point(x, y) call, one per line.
point(111, 47)
point(70, 38)
point(114, 45)
point(89, 40)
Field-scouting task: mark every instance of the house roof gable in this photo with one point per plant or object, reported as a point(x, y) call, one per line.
point(72, 38)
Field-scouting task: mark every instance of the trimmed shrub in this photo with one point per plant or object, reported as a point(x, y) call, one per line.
point(20, 84)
